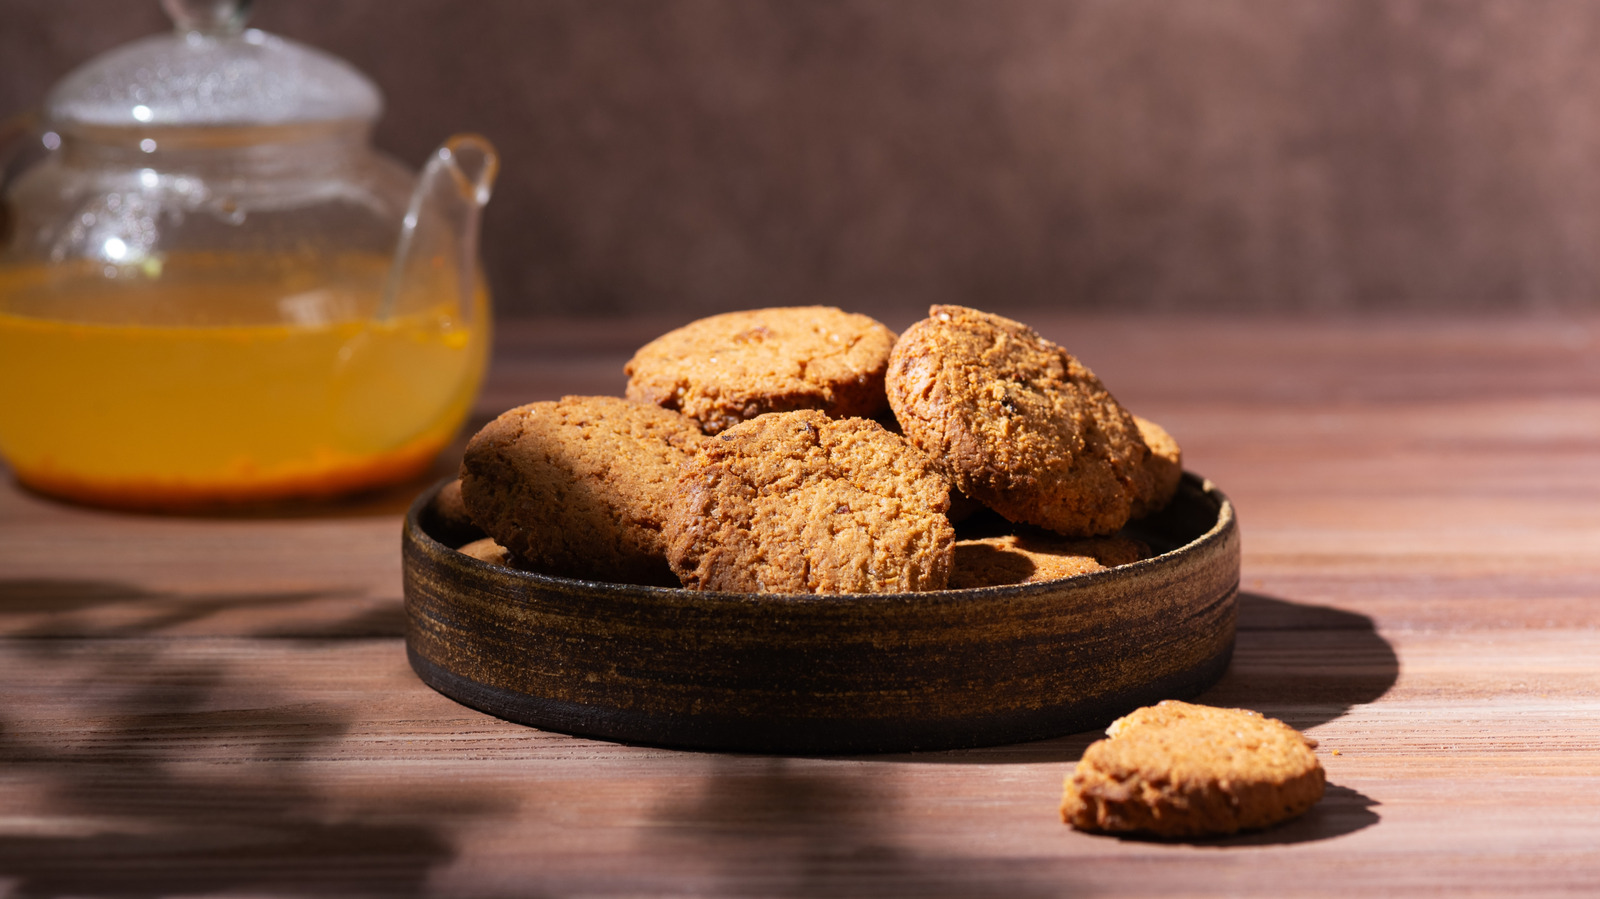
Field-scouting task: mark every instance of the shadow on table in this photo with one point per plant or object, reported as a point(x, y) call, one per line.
point(55, 608)
point(1340, 811)
point(1304, 664)
point(141, 782)
point(801, 827)
point(792, 827)
point(773, 826)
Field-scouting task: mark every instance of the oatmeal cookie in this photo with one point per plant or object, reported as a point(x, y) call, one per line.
point(1016, 559)
point(1017, 423)
point(450, 508)
point(451, 522)
point(580, 487)
point(732, 367)
point(1180, 770)
point(796, 502)
point(1163, 467)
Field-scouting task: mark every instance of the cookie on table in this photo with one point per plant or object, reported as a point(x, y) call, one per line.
point(580, 487)
point(1017, 423)
point(1028, 559)
point(732, 367)
point(1164, 467)
point(797, 502)
point(1180, 770)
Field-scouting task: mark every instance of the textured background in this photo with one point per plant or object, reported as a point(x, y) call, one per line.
point(700, 155)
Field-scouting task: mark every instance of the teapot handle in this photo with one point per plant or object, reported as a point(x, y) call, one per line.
point(439, 234)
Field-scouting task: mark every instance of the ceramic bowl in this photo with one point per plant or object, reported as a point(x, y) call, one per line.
point(827, 674)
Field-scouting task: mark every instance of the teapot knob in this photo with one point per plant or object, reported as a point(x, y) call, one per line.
point(208, 16)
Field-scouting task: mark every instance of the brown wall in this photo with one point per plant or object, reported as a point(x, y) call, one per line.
point(700, 155)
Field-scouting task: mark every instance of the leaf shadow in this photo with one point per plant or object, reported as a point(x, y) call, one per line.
point(57, 608)
point(785, 827)
point(145, 779)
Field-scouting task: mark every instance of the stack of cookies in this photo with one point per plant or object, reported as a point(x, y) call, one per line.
point(809, 450)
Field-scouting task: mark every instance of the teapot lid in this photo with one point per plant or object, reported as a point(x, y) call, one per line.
point(211, 70)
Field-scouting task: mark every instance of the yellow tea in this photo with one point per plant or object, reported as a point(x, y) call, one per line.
point(231, 383)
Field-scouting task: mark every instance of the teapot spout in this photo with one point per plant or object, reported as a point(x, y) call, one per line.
point(438, 247)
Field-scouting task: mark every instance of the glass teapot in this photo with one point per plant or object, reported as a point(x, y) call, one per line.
point(213, 290)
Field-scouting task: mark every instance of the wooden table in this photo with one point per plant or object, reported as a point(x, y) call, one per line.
point(222, 706)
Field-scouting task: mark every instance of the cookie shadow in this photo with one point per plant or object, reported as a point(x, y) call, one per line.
point(1341, 811)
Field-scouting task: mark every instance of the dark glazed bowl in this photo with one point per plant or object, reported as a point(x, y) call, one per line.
point(828, 674)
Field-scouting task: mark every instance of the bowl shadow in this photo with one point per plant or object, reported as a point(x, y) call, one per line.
point(1304, 664)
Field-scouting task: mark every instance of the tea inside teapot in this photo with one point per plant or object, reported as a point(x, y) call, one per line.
point(208, 395)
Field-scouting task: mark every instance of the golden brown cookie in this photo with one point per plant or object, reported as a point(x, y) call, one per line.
point(450, 508)
point(1014, 559)
point(1180, 770)
point(732, 367)
point(796, 502)
point(1017, 423)
point(1164, 467)
point(580, 487)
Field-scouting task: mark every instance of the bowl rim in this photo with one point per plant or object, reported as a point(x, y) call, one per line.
point(1217, 532)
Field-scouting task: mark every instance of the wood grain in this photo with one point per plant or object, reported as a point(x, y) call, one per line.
point(222, 706)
